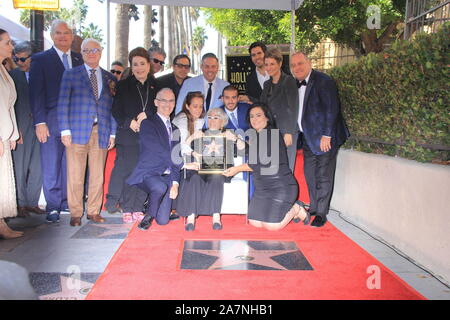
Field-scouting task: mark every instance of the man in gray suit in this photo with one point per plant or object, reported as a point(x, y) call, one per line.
point(26, 157)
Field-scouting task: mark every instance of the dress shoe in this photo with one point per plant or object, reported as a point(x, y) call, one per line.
point(75, 222)
point(35, 209)
point(96, 218)
point(22, 212)
point(217, 226)
point(145, 223)
point(189, 227)
point(53, 217)
point(174, 216)
point(319, 221)
point(113, 209)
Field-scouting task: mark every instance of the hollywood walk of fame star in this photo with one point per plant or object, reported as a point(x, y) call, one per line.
point(240, 252)
point(71, 289)
point(213, 147)
point(113, 229)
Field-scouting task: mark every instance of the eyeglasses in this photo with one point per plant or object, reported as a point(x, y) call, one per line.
point(213, 118)
point(180, 65)
point(116, 71)
point(94, 50)
point(158, 61)
point(17, 59)
point(166, 101)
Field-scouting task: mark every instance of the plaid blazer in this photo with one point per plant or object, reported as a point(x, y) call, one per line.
point(77, 107)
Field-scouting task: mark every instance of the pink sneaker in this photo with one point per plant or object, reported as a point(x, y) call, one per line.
point(138, 216)
point(127, 217)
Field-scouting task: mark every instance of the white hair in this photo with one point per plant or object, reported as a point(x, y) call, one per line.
point(86, 41)
point(56, 23)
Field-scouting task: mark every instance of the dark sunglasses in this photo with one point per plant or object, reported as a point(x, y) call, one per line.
point(16, 59)
point(158, 61)
point(185, 66)
point(116, 71)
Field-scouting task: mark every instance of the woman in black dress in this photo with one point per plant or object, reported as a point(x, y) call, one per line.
point(202, 194)
point(133, 102)
point(273, 204)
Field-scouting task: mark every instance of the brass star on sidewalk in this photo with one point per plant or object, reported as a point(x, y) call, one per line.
point(239, 252)
point(71, 289)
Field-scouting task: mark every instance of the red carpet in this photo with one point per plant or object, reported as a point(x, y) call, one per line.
point(147, 266)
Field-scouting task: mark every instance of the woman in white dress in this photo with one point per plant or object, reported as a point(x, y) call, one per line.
point(8, 136)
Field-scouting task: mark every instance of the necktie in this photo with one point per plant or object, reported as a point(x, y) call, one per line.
point(301, 83)
point(234, 120)
point(208, 96)
point(169, 131)
point(65, 61)
point(94, 83)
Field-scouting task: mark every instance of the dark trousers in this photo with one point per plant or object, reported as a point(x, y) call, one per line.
point(319, 173)
point(54, 174)
point(27, 168)
point(131, 198)
point(159, 202)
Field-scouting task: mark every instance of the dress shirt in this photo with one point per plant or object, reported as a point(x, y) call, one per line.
point(262, 78)
point(301, 98)
point(206, 87)
point(60, 54)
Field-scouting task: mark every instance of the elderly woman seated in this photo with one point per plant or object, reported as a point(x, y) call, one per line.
point(202, 193)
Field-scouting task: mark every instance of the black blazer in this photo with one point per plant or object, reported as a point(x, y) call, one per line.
point(22, 106)
point(254, 89)
point(128, 104)
point(282, 100)
point(169, 81)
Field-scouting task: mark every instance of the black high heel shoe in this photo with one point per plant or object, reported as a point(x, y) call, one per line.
point(307, 220)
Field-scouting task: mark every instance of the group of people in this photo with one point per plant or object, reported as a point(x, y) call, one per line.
point(74, 112)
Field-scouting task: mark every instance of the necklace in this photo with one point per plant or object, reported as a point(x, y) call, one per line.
point(144, 106)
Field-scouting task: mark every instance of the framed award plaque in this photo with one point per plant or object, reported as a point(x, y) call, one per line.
point(213, 154)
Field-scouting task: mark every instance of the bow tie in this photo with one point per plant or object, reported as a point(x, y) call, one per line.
point(301, 83)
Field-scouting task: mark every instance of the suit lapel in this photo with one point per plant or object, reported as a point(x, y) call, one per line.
point(163, 131)
point(59, 64)
point(308, 90)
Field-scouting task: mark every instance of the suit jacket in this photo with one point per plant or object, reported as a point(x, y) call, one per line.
point(77, 106)
point(253, 88)
point(46, 72)
point(322, 113)
point(197, 84)
point(155, 154)
point(169, 81)
point(282, 100)
point(128, 104)
point(242, 110)
point(8, 125)
point(22, 107)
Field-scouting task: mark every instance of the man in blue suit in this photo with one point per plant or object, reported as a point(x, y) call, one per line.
point(323, 130)
point(46, 72)
point(207, 83)
point(157, 173)
point(236, 112)
point(87, 130)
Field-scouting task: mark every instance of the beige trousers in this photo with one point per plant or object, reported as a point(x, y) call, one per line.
point(77, 157)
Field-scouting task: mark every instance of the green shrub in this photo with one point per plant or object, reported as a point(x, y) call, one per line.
point(397, 102)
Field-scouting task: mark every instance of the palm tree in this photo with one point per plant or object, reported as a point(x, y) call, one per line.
point(122, 32)
point(148, 31)
point(161, 27)
point(198, 41)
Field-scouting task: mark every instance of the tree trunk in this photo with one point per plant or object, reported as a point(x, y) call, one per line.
point(183, 31)
point(122, 33)
point(178, 31)
point(171, 30)
point(161, 27)
point(374, 44)
point(148, 17)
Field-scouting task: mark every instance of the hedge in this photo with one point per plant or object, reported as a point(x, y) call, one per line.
point(397, 102)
